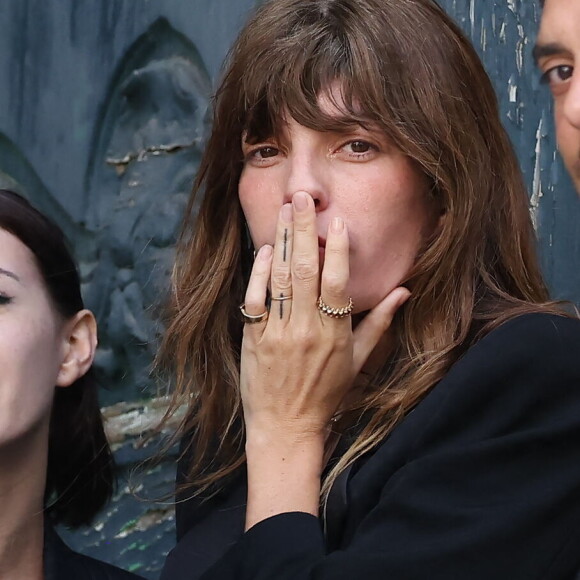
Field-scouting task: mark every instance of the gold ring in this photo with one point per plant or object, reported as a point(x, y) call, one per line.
point(282, 298)
point(335, 312)
point(249, 319)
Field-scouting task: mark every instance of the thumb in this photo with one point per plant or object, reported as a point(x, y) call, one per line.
point(368, 333)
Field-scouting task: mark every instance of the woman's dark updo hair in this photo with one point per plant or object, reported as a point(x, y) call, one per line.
point(80, 474)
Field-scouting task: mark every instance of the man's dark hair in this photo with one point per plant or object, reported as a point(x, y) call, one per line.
point(80, 471)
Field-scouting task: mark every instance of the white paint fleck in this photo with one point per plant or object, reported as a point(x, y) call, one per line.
point(150, 519)
point(537, 193)
point(472, 15)
point(503, 33)
point(520, 48)
point(513, 89)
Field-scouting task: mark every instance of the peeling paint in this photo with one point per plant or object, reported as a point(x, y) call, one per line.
point(537, 193)
point(520, 50)
point(137, 420)
point(472, 15)
point(503, 33)
point(141, 155)
point(513, 89)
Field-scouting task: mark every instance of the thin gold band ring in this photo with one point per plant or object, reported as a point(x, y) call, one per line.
point(282, 298)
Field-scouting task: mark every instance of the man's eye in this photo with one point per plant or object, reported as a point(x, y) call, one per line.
point(557, 75)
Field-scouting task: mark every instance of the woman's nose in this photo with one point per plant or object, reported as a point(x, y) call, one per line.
point(309, 174)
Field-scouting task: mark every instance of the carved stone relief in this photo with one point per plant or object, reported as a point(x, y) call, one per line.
point(145, 155)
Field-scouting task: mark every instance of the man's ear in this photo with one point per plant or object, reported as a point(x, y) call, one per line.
point(79, 349)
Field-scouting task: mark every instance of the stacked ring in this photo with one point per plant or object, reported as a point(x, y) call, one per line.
point(335, 312)
point(250, 319)
point(282, 298)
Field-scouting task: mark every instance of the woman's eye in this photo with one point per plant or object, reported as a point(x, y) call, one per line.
point(359, 148)
point(557, 75)
point(265, 152)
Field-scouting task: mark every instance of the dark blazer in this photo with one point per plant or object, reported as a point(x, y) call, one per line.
point(61, 563)
point(481, 481)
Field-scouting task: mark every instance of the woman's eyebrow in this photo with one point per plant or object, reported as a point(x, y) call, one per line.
point(9, 274)
point(544, 50)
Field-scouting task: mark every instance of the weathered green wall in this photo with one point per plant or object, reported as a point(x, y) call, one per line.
point(103, 111)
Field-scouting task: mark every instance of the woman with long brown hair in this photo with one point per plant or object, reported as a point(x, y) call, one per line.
point(399, 399)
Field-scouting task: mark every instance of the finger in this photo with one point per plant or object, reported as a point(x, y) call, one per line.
point(255, 300)
point(281, 278)
point(375, 324)
point(304, 262)
point(335, 272)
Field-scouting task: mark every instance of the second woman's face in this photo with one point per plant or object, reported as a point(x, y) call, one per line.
point(31, 343)
point(358, 176)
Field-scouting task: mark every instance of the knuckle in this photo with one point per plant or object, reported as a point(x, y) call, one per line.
point(334, 250)
point(342, 341)
point(303, 224)
point(268, 346)
point(305, 270)
point(304, 337)
point(281, 278)
point(334, 284)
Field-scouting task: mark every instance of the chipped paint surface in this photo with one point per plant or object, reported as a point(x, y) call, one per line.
point(537, 181)
point(52, 121)
point(137, 421)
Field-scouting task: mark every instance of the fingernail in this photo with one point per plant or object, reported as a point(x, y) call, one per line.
point(300, 201)
point(286, 213)
point(265, 252)
point(337, 225)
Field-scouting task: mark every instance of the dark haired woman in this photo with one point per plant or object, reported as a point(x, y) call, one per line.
point(408, 406)
point(55, 462)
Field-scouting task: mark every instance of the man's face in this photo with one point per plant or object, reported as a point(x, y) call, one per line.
point(556, 53)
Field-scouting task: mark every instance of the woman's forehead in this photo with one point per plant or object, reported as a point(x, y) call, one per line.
point(17, 258)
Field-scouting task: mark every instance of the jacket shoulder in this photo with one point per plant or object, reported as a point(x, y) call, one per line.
point(538, 330)
point(526, 344)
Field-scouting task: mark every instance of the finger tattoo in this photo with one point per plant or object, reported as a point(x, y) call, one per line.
point(285, 244)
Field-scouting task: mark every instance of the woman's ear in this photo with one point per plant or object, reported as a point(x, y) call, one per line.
point(80, 346)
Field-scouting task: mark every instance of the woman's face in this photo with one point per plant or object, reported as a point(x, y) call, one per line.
point(359, 176)
point(31, 343)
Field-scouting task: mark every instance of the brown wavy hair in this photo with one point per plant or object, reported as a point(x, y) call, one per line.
point(404, 66)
